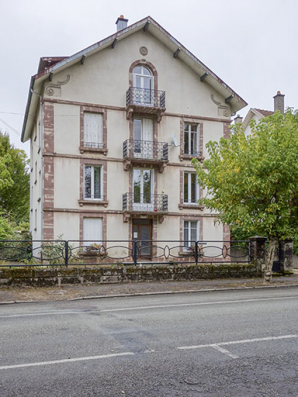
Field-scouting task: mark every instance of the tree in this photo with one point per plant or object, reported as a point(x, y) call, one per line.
point(14, 181)
point(252, 182)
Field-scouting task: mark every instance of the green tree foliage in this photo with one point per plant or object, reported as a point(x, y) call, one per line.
point(252, 182)
point(14, 181)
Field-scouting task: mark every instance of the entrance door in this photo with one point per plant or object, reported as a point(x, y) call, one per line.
point(143, 86)
point(142, 232)
point(143, 138)
point(142, 190)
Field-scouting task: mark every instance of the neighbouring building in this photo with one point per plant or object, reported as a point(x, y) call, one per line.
point(258, 114)
point(113, 129)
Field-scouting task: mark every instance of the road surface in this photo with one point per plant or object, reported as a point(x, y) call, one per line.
point(226, 343)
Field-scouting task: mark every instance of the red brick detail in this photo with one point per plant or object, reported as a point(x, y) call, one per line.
point(226, 130)
point(48, 127)
point(48, 182)
point(48, 226)
point(143, 62)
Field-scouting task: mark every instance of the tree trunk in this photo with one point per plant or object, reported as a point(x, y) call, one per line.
point(273, 243)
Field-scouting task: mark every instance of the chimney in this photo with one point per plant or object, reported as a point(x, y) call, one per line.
point(238, 119)
point(121, 23)
point(279, 103)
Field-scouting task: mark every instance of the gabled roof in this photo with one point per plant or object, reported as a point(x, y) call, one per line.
point(260, 113)
point(147, 24)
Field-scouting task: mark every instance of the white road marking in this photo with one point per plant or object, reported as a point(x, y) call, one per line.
point(148, 307)
point(69, 360)
point(40, 314)
point(225, 351)
point(238, 342)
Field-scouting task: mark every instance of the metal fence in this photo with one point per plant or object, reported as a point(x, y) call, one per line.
point(15, 253)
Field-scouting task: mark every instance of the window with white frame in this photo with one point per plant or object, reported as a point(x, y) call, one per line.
point(93, 187)
point(191, 234)
point(93, 130)
point(191, 141)
point(92, 231)
point(191, 188)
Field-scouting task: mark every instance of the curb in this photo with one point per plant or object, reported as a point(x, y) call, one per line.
point(128, 295)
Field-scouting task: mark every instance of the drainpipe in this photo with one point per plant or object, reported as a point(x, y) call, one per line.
point(41, 160)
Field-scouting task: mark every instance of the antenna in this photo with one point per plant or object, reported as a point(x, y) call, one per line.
point(174, 140)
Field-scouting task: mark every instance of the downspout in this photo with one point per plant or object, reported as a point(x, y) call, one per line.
point(41, 160)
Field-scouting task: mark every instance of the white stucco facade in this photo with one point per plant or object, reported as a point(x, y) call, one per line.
point(78, 181)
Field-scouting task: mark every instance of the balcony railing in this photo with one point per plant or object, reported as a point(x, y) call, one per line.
point(145, 97)
point(154, 203)
point(145, 150)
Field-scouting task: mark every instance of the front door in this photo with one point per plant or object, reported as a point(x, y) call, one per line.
point(142, 232)
point(142, 190)
point(143, 138)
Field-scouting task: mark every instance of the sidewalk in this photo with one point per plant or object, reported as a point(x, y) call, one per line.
point(9, 295)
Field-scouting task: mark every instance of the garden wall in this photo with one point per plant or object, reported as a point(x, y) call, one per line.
point(123, 274)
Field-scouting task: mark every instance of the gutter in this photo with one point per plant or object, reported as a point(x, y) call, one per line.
point(27, 108)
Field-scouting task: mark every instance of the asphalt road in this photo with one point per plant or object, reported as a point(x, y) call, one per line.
point(228, 343)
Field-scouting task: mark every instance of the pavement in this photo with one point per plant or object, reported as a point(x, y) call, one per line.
point(14, 294)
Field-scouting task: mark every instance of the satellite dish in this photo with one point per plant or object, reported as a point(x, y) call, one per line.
point(174, 140)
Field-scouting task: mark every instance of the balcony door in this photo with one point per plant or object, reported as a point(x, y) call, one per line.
point(143, 86)
point(143, 138)
point(142, 190)
point(142, 232)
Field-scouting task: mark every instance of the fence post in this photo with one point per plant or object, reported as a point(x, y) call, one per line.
point(135, 252)
point(286, 255)
point(196, 252)
point(257, 251)
point(66, 253)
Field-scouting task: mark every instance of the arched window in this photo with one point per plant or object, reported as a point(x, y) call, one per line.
point(143, 85)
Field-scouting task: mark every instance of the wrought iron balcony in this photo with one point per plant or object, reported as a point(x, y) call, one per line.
point(146, 101)
point(149, 152)
point(145, 203)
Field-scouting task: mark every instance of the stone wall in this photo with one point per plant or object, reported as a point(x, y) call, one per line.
point(123, 274)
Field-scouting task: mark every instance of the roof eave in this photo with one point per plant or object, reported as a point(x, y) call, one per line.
point(236, 103)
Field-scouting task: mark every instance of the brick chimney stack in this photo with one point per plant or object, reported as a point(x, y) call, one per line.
point(279, 103)
point(121, 23)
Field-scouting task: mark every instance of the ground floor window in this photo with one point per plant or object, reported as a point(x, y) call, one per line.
point(191, 233)
point(92, 231)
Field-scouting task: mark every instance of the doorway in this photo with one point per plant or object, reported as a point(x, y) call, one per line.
point(142, 232)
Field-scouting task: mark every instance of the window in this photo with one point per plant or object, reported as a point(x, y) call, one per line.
point(92, 230)
point(93, 130)
point(191, 144)
point(143, 85)
point(191, 234)
point(142, 189)
point(93, 182)
point(191, 188)
point(143, 138)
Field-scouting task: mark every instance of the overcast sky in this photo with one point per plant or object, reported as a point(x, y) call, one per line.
point(250, 44)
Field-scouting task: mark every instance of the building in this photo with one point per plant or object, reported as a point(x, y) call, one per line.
point(113, 129)
point(258, 114)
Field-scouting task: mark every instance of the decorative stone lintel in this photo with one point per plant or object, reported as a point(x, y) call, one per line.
point(84, 149)
point(93, 202)
point(190, 157)
point(191, 206)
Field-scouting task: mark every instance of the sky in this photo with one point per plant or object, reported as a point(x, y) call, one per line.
point(250, 44)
